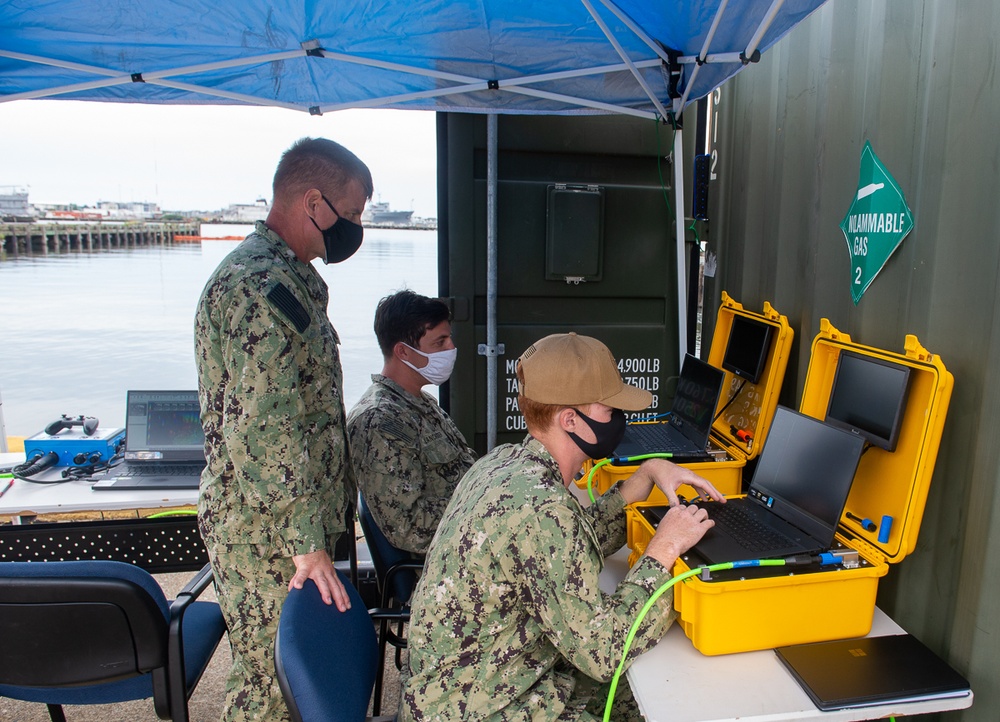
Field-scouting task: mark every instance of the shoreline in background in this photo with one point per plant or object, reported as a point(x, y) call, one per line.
point(83, 327)
point(39, 237)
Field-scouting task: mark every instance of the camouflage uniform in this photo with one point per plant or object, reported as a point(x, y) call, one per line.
point(278, 478)
point(508, 622)
point(408, 457)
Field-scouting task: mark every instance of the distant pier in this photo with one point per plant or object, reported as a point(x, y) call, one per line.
point(42, 238)
point(417, 224)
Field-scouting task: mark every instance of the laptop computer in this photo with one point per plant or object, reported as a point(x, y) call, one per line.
point(686, 432)
point(164, 443)
point(799, 489)
point(870, 671)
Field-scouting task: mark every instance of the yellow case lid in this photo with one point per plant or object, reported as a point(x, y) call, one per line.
point(744, 405)
point(895, 484)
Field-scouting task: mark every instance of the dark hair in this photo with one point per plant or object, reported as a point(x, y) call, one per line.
point(405, 316)
point(319, 163)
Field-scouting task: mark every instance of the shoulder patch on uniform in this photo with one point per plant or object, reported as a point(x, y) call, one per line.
point(395, 428)
point(289, 306)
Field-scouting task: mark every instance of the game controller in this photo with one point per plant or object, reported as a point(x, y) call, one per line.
point(89, 424)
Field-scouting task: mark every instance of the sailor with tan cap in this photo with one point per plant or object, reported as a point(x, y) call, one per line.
point(508, 621)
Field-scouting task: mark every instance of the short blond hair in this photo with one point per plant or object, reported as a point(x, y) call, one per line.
point(537, 416)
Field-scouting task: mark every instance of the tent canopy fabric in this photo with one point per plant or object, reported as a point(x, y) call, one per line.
point(637, 57)
point(646, 58)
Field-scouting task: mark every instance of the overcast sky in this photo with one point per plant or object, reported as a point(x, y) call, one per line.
point(188, 157)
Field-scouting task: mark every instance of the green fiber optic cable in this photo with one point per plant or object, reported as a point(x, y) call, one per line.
point(656, 595)
point(602, 462)
point(175, 512)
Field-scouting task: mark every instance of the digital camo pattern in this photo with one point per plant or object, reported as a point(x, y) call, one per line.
point(408, 457)
point(251, 590)
point(278, 474)
point(508, 621)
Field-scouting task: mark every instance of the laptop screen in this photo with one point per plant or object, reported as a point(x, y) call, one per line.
point(698, 390)
point(805, 471)
point(163, 426)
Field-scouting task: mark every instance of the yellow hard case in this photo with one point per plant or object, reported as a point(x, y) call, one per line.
point(721, 617)
point(752, 409)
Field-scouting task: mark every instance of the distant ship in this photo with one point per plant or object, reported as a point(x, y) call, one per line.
point(246, 212)
point(379, 212)
point(14, 206)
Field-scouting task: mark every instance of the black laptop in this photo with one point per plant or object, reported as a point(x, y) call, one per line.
point(164, 443)
point(870, 671)
point(798, 492)
point(686, 433)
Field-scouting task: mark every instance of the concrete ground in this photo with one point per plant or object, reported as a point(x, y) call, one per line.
point(206, 703)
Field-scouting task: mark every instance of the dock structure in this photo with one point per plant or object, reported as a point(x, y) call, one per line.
point(41, 238)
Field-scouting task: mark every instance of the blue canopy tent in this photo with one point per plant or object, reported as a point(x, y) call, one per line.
point(635, 57)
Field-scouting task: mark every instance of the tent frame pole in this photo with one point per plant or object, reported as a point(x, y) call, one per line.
point(704, 50)
point(491, 281)
point(3, 430)
point(625, 58)
point(678, 162)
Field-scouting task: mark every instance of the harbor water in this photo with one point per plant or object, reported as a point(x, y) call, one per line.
point(81, 328)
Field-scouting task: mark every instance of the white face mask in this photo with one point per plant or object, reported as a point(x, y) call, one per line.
point(439, 364)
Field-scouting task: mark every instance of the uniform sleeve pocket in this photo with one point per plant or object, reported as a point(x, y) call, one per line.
point(439, 450)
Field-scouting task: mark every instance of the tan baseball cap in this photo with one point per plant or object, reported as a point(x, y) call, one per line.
point(570, 370)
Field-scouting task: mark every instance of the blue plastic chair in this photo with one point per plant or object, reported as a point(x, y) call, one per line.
point(394, 586)
point(100, 632)
point(396, 572)
point(325, 660)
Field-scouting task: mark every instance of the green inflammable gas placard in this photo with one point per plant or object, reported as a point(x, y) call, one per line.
point(876, 223)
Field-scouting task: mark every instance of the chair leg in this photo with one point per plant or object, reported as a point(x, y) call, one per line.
point(400, 643)
point(56, 713)
point(173, 679)
point(383, 632)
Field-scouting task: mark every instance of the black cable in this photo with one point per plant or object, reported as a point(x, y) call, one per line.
point(87, 470)
point(36, 465)
point(39, 463)
point(743, 382)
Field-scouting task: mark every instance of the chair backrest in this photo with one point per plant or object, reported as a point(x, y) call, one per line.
point(325, 659)
point(385, 556)
point(80, 622)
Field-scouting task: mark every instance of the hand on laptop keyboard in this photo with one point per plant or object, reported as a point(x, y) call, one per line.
point(680, 529)
point(750, 532)
point(668, 477)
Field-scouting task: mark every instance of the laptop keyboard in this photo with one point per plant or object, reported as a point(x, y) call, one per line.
point(161, 470)
point(652, 436)
point(751, 533)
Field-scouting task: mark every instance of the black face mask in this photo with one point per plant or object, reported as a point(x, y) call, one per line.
point(608, 433)
point(342, 240)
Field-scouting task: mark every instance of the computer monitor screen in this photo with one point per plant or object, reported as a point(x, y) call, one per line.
point(164, 421)
point(746, 352)
point(868, 398)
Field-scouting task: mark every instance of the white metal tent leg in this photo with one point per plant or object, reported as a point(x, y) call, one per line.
point(491, 281)
point(3, 430)
point(678, 152)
